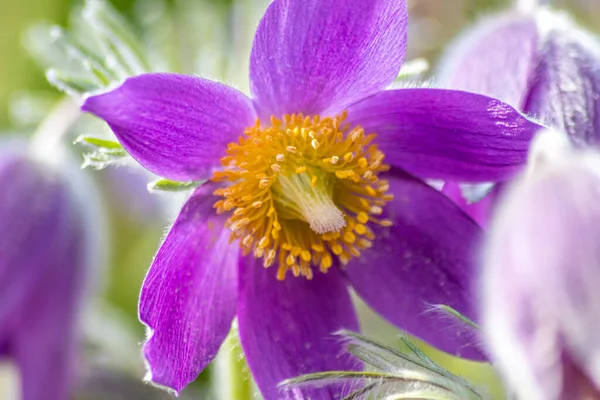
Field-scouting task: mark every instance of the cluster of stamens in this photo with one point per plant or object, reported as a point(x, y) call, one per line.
point(303, 191)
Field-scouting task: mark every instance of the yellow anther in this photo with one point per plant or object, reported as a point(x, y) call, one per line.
point(263, 243)
point(336, 249)
point(291, 149)
point(240, 224)
point(300, 170)
point(349, 237)
point(362, 217)
point(315, 144)
point(276, 167)
point(317, 247)
point(290, 260)
point(326, 262)
point(228, 205)
point(239, 211)
point(360, 229)
point(305, 255)
point(334, 160)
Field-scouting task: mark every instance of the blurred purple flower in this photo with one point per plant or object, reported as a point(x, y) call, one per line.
point(541, 278)
point(541, 63)
point(305, 192)
point(42, 270)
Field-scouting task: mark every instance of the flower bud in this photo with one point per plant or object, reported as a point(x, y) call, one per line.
point(495, 58)
point(44, 252)
point(541, 303)
point(539, 61)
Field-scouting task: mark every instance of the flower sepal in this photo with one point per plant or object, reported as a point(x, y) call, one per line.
point(167, 185)
point(105, 152)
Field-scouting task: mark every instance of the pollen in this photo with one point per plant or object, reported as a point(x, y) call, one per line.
point(302, 192)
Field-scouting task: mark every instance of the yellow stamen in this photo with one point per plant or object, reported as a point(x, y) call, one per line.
point(302, 192)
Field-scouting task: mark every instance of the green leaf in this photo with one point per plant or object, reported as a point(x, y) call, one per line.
point(172, 186)
point(74, 86)
point(102, 157)
point(115, 37)
point(358, 394)
point(455, 314)
point(334, 377)
point(100, 143)
point(375, 347)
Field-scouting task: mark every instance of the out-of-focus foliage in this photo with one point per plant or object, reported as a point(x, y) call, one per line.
point(402, 374)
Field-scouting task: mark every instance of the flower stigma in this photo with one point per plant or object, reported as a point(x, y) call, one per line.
point(303, 191)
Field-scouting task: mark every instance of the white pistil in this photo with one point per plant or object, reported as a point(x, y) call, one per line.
point(311, 203)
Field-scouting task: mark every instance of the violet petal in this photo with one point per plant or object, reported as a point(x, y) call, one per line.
point(447, 134)
point(189, 297)
point(314, 55)
point(285, 328)
point(176, 126)
point(426, 258)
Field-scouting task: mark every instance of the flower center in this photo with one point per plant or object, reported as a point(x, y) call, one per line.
point(303, 191)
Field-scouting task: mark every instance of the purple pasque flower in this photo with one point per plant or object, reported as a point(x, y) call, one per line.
point(541, 276)
point(540, 62)
point(43, 260)
point(299, 185)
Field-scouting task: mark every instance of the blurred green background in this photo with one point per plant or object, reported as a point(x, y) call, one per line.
point(440, 20)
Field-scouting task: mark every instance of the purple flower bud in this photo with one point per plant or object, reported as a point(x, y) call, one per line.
point(541, 303)
point(540, 62)
point(495, 58)
point(44, 243)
